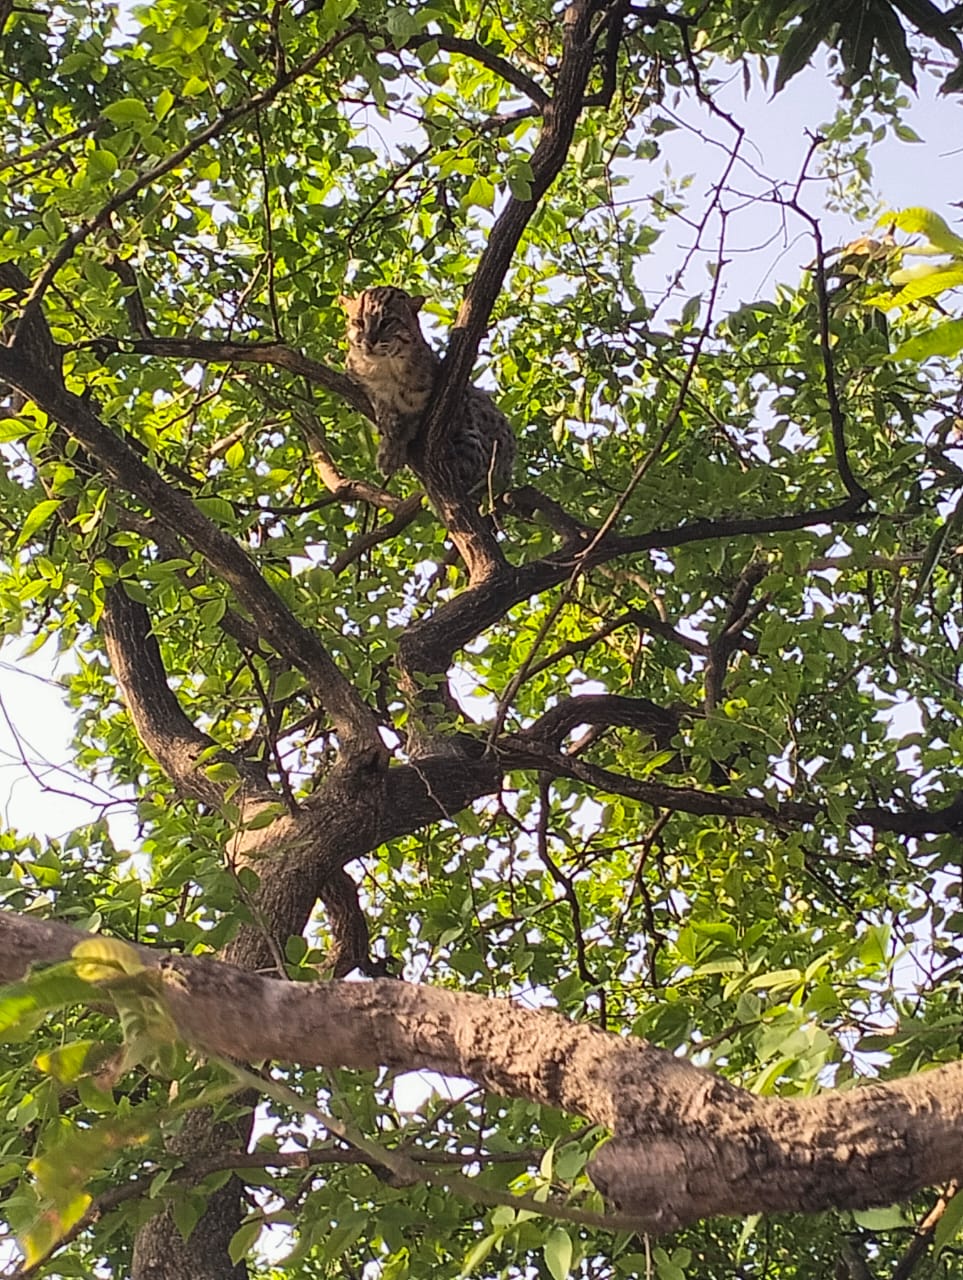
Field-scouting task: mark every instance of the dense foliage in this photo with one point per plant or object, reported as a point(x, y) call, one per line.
point(758, 871)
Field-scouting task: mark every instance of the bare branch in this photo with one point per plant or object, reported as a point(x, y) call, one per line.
point(133, 301)
point(852, 485)
point(924, 1234)
point(407, 511)
point(340, 486)
point(53, 144)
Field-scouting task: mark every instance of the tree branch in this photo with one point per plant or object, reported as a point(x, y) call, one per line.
point(606, 709)
point(199, 139)
point(522, 751)
point(166, 732)
point(217, 351)
point(836, 417)
point(428, 645)
point(686, 1143)
point(559, 119)
point(485, 57)
point(353, 719)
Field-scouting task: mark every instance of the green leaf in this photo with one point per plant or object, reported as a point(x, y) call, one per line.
point(101, 163)
point(37, 518)
point(802, 43)
point(945, 339)
point(478, 1253)
point(126, 111)
point(22, 1003)
point(558, 1253)
point(481, 193)
point(243, 1240)
point(935, 228)
point(403, 23)
point(889, 1219)
point(949, 1225)
point(67, 1062)
point(97, 959)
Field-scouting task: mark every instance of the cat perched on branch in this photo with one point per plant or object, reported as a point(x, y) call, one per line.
point(389, 357)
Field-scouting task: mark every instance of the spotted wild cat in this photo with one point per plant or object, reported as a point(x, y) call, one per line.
point(389, 357)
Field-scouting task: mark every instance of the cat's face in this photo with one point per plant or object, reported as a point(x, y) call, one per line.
point(383, 321)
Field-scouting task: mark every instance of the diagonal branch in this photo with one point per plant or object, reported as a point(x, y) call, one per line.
point(551, 150)
point(739, 615)
point(354, 721)
point(485, 57)
point(836, 417)
point(167, 733)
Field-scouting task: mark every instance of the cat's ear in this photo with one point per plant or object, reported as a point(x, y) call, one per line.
point(350, 305)
point(417, 301)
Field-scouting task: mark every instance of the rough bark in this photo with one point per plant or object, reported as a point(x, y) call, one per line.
point(686, 1144)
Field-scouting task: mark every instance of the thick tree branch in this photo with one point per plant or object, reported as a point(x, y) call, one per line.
point(473, 537)
point(355, 723)
point(551, 150)
point(686, 1144)
point(166, 732)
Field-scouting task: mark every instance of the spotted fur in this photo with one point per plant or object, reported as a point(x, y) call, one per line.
point(389, 357)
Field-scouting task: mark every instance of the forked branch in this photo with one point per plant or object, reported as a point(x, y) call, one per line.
point(355, 722)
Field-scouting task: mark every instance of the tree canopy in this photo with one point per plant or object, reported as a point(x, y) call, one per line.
point(629, 797)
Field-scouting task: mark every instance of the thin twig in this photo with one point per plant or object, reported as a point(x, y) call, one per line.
point(198, 140)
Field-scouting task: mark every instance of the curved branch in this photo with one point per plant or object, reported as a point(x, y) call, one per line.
point(686, 1143)
point(836, 416)
point(167, 733)
point(608, 709)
